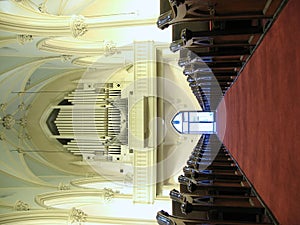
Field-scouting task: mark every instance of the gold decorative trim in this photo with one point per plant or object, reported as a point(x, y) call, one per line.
point(72, 47)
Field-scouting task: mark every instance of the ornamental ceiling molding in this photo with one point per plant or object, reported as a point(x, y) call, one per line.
point(91, 196)
point(24, 38)
point(71, 46)
point(97, 63)
point(7, 40)
point(76, 26)
point(60, 216)
point(93, 179)
point(35, 216)
point(37, 26)
point(21, 206)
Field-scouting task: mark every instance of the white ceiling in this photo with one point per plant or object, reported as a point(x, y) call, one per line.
point(26, 67)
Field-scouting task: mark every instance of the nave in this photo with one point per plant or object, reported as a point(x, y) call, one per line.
point(256, 47)
point(214, 190)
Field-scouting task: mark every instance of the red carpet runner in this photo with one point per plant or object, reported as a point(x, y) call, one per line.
point(262, 111)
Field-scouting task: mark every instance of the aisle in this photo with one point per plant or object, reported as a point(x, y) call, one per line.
point(262, 111)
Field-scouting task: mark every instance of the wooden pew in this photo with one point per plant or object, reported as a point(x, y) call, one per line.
point(213, 188)
point(163, 218)
point(213, 174)
point(218, 10)
point(219, 206)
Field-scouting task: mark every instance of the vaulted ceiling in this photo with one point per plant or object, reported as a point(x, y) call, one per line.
point(46, 48)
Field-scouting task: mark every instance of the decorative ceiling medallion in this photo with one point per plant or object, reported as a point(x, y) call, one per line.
point(24, 38)
point(63, 187)
point(108, 195)
point(78, 26)
point(3, 107)
point(66, 58)
point(8, 121)
point(110, 48)
point(21, 206)
point(77, 216)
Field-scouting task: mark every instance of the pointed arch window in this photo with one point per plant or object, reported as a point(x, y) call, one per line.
point(194, 122)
